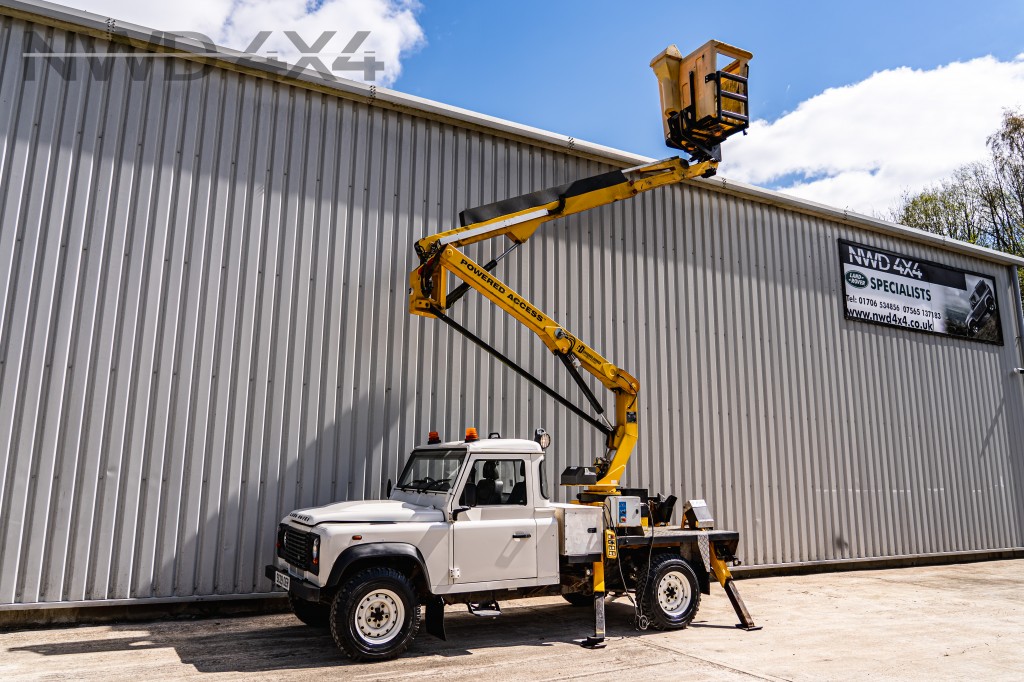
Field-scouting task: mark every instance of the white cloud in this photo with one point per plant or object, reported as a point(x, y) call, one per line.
point(394, 30)
point(861, 146)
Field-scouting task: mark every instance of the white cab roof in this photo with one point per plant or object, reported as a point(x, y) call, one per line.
point(505, 445)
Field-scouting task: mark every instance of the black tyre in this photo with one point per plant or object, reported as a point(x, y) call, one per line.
point(577, 599)
point(668, 592)
point(313, 614)
point(990, 303)
point(375, 615)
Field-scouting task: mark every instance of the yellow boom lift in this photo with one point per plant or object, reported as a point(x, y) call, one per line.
point(702, 105)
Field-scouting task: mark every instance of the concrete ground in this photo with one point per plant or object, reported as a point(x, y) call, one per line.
point(942, 622)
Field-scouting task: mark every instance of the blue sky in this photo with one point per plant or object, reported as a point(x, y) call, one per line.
point(581, 68)
point(855, 103)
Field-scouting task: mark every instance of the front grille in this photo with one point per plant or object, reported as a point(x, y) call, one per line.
point(296, 547)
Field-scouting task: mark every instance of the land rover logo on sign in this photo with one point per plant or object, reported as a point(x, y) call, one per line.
point(857, 279)
point(897, 290)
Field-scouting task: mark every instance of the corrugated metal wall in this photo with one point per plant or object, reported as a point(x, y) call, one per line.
point(203, 325)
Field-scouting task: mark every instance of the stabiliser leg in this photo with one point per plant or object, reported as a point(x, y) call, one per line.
point(597, 640)
point(724, 576)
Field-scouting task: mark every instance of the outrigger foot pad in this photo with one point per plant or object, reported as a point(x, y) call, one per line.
point(593, 643)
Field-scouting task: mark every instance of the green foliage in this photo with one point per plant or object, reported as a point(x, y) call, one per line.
point(981, 203)
point(952, 208)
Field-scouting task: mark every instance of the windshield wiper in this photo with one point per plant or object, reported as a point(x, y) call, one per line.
point(439, 482)
point(422, 485)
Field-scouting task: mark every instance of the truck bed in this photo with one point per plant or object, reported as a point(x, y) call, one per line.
point(725, 540)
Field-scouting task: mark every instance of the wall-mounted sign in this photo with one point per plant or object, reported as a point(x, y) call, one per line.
point(888, 288)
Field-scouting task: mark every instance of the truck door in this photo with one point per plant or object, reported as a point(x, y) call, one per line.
point(496, 539)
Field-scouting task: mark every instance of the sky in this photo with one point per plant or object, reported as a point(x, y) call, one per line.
point(854, 103)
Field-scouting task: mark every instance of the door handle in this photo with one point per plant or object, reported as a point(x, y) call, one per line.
point(519, 535)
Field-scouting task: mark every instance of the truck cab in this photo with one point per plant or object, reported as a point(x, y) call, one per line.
point(498, 529)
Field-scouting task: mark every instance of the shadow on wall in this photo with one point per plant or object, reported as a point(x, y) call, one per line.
point(236, 535)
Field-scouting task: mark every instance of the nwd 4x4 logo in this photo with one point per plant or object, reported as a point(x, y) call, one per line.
point(856, 278)
point(882, 262)
point(105, 59)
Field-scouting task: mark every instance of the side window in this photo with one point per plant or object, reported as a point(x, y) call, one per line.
point(499, 481)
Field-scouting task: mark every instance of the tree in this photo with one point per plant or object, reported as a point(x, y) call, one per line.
point(1002, 193)
point(952, 208)
point(981, 203)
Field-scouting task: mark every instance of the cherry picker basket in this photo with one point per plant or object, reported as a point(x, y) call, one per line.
point(702, 104)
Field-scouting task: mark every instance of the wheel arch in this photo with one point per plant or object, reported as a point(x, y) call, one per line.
point(401, 556)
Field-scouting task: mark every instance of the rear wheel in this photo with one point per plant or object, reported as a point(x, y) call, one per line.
point(375, 615)
point(669, 592)
point(313, 614)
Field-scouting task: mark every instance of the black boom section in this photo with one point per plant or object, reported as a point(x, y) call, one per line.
point(545, 196)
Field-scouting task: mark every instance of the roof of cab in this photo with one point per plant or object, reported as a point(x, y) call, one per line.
point(512, 445)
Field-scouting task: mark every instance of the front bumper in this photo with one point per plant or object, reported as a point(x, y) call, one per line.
point(300, 587)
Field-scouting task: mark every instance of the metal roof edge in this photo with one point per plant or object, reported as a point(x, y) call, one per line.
point(139, 36)
point(854, 219)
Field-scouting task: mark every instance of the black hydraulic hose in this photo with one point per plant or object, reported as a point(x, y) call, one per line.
point(511, 364)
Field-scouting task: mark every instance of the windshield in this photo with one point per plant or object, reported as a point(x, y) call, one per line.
point(431, 471)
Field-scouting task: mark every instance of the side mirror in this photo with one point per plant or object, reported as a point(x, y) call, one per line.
point(389, 488)
point(457, 511)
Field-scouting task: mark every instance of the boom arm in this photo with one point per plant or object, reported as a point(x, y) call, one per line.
point(517, 219)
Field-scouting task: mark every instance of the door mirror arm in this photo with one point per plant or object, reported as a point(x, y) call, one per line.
point(457, 511)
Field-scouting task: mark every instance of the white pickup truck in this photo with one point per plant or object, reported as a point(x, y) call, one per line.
point(473, 522)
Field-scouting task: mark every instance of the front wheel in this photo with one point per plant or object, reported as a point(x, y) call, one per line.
point(669, 592)
point(375, 615)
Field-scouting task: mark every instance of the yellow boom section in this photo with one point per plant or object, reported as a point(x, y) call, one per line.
point(517, 219)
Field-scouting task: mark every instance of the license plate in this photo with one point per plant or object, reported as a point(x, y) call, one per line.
point(282, 580)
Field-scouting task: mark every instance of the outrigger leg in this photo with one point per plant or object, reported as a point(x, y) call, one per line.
point(724, 576)
point(597, 640)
